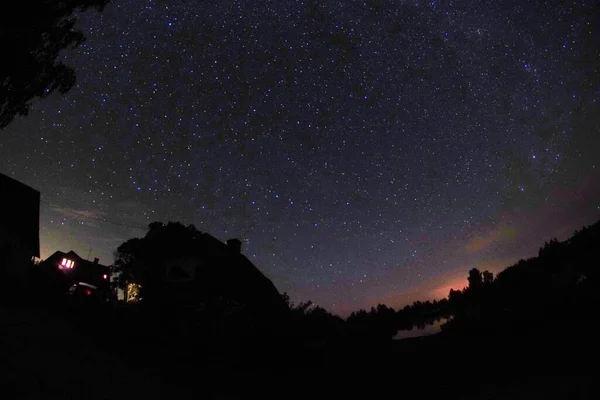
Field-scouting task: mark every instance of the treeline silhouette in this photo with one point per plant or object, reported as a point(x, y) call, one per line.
point(231, 298)
point(560, 284)
point(217, 322)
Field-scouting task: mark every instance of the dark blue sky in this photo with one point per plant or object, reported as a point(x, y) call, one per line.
point(366, 151)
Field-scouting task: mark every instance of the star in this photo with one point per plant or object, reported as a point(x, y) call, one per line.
point(379, 139)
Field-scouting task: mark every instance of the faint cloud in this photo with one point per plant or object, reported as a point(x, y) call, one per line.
point(503, 233)
point(78, 214)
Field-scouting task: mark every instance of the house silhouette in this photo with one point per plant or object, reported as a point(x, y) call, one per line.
point(220, 269)
point(183, 266)
point(19, 226)
point(75, 269)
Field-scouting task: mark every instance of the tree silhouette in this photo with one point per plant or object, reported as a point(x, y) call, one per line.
point(454, 296)
point(379, 323)
point(488, 277)
point(140, 260)
point(33, 33)
point(475, 279)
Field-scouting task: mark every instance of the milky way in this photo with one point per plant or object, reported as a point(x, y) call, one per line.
point(364, 151)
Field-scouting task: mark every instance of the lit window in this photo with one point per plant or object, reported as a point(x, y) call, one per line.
point(64, 262)
point(105, 276)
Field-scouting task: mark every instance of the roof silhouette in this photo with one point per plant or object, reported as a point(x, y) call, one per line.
point(84, 270)
point(171, 253)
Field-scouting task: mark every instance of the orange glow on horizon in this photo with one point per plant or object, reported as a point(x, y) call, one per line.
point(443, 291)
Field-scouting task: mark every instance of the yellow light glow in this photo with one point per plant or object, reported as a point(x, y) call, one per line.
point(133, 292)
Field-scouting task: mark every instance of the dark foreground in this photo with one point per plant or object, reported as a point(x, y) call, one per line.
point(50, 352)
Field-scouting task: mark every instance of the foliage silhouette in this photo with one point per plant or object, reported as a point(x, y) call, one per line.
point(488, 277)
point(33, 33)
point(314, 324)
point(475, 279)
point(560, 284)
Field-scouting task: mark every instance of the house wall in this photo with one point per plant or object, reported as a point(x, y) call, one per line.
point(14, 257)
point(186, 267)
point(20, 213)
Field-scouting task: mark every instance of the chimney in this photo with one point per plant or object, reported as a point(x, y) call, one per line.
point(235, 245)
point(96, 260)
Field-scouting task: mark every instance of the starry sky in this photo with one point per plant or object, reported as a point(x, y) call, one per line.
point(365, 151)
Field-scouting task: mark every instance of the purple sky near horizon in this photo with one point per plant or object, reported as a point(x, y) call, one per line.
point(365, 151)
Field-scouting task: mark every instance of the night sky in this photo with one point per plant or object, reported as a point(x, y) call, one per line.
point(365, 151)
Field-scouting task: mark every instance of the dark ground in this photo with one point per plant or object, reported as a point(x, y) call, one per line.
point(47, 352)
